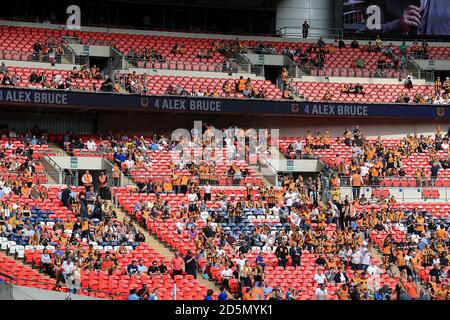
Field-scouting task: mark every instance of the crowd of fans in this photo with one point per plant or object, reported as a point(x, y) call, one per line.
point(50, 51)
point(55, 81)
point(312, 220)
point(229, 89)
point(134, 153)
point(373, 160)
point(305, 219)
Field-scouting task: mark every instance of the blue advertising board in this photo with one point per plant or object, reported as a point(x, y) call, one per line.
point(199, 105)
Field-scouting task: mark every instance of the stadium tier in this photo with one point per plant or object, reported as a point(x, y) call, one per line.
point(102, 194)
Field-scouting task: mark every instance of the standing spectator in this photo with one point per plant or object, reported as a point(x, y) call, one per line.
point(356, 182)
point(209, 294)
point(177, 264)
point(102, 184)
point(284, 78)
point(133, 295)
point(190, 264)
point(46, 262)
point(322, 292)
point(305, 29)
point(154, 295)
point(227, 275)
point(116, 175)
point(282, 252)
point(223, 294)
point(434, 171)
point(295, 253)
point(36, 50)
point(87, 180)
point(320, 277)
point(298, 148)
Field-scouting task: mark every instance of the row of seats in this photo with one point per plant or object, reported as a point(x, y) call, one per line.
point(374, 93)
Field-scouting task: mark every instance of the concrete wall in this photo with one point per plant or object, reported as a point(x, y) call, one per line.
point(84, 163)
point(267, 59)
point(42, 65)
point(191, 73)
point(93, 51)
point(298, 165)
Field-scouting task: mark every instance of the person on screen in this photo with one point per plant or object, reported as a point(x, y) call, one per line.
point(414, 17)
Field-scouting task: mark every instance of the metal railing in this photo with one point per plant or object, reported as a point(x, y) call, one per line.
point(297, 32)
point(358, 72)
point(216, 180)
point(61, 175)
point(427, 74)
point(400, 194)
point(398, 181)
point(179, 65)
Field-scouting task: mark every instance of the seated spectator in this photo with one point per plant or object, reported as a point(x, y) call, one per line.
point(287, 94)
point(403, 49)
point(345, 88)
point(341, 43)
point(170, 89)
point(352, 88)
point(95, 72)
point(182, 49)
point(6, 81)
point(360, 63)
point(408, 82)
point(33, 78)
point(132, 268)
point(354, 44)
point(107, 85)
point(381, 63)
point(327, 96)
point(389, 51)
point(359, 89)
point(321, 43)
point(418, 98)
point(402, 98)
point(378, 44)
point(175, 49)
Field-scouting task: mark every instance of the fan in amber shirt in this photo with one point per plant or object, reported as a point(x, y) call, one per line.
point(441, 233)
point(411, 288)
point(25, 191)
point(247, 295)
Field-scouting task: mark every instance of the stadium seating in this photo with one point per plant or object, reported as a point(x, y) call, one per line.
point(374, 93)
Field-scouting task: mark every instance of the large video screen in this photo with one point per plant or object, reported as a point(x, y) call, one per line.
point(413, 18)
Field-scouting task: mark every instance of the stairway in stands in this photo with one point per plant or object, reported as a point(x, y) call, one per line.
point(160, 247)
